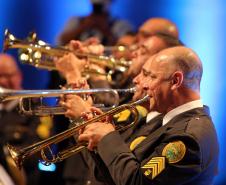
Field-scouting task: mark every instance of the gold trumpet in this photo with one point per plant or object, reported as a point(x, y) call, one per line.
point(120, 48)
point(42, 110)
point(43, 146)
point(40, 54)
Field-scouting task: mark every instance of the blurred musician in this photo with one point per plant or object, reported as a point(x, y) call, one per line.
point(15, 128)
point(99, 24)
point(156, 25)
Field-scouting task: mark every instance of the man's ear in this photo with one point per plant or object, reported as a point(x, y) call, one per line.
point(177, 80)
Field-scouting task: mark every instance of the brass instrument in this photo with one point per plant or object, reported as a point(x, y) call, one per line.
point(120, 48)
point(8, 94)
point(43, 146)
point(40, 54)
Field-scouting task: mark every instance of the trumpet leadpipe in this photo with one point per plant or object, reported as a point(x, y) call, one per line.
point(20, 155)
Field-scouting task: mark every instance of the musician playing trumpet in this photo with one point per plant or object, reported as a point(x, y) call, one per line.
point(146, 48)
point(174, 151)
point(74, 103)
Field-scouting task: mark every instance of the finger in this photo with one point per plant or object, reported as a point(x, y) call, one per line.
point(81, 131)
point(109, 119)
point(84, 137)
point(62, 103)
point(72, 97)
point(70, 114)
point(74, 45)
point(92, 40)
point(96, 111)
point(67, 105)
point(90, 146)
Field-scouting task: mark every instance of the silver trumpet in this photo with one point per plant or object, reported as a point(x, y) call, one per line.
point(41, 109)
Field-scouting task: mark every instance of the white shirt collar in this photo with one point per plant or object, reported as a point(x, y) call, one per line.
point(183, 108)
point(151, 115)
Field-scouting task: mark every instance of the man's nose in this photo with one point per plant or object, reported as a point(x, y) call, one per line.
point(135, 54)
point(145, 86)
point(136, 80)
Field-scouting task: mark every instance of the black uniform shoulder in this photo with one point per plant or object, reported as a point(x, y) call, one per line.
point(201, 128)
point(199, 136)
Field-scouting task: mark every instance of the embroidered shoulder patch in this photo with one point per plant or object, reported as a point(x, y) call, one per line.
point(153, 167)
point(174, 151)
point(136, 142)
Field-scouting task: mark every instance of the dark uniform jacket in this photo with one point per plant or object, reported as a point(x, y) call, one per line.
point(140, 129)
point(184, 151)
point(19, 131)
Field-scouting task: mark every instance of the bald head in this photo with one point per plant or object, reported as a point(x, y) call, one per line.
point(185, 60)
point(10, 75)
point(157, 25)
point(7, 61)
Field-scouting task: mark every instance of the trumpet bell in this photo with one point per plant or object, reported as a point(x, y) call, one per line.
point(16, 155)
point(20, 155)
point(41, 55)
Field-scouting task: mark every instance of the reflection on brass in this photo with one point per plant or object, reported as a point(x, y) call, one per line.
point(45, 146)
point(43, 110)
point(42, 55)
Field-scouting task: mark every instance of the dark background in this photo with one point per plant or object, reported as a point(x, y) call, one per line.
point(201, 24)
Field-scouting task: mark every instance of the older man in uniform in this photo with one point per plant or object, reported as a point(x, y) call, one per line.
point(183, 149)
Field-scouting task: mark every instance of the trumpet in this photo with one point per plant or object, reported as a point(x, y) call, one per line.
point(40, 54)
point(45, 146)
point(42, 110)
point(120, 48)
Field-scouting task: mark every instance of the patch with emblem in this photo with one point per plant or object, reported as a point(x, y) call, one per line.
point(174, 151)
point(136, 142)
point(153, 167)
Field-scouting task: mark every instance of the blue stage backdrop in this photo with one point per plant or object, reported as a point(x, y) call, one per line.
point(201, 24)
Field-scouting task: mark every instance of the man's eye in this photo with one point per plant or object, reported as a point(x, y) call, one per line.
point(145, 73)
point(152, 76)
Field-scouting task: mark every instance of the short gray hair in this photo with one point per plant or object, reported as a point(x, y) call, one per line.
point(192, 70)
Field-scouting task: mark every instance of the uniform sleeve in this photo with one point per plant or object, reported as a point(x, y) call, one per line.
point(125, 169)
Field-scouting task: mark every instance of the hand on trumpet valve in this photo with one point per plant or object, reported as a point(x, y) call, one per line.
point(78, 84)
point(91, 46)
point(94, 132)
point(93, 113)
point(70, 67)
point(74, 106)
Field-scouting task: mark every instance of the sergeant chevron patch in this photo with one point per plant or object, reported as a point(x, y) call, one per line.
point(154, 167)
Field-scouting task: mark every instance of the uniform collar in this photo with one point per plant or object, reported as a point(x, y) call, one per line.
point(182, 108)
point(151, 115)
